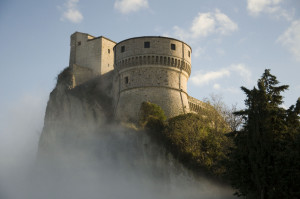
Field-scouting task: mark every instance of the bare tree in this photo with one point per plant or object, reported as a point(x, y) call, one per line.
point(227, 112)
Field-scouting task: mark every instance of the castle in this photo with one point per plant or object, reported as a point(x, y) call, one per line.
point(149, 68)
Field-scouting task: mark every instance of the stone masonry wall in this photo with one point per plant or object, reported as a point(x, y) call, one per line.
point(154, 69)
point(169, 99)
point(95, 53)
point(107, 55)
point(81, 74)
point(196, 105)
point(157, 72)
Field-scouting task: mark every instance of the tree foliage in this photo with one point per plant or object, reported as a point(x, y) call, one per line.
point(197, 141)
point(150, 110)
point(265, 160)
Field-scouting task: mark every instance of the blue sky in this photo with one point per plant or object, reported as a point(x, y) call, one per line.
point(233, 41)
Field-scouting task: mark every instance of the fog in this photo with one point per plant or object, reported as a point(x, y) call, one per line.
point(107, 163)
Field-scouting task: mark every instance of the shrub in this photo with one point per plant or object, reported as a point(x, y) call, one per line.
point(148, 110)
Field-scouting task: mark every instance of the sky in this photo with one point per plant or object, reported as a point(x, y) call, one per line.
point(232, 42)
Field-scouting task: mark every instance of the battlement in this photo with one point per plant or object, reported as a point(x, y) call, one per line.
point(196, 105)
point(148, 68)
point(154, 59)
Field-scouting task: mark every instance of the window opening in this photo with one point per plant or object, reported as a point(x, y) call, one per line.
point(189, 53)
point(108, 51)
point(126, 80)
point(173, 47)
point(79, 43)
point(146, 44)
point(122, 49)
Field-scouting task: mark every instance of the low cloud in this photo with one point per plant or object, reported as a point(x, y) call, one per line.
point(129, 6)
point(290, 39)
point(103, 162)
point(205, 78)
point(256, 7)
point(205, 24)
point(71, 12)
point(21, 123)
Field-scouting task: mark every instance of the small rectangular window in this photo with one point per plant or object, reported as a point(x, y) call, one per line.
point(122, 49)
point(79, 43)
point(189, 53)
point(108, 51)
point(146, 44)
point(126, 80)
point(173, 47)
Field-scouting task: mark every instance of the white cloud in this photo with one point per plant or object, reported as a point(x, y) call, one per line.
point(205, 24)
point(255, 7)
point(226, 25)
point(127, 6)
point(205, 78)
point(201, 79)
point(291, 39)
point(71, 12)
point(217, 86)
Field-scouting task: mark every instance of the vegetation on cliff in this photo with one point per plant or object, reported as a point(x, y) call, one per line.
point(261, 159)
point(197, 141)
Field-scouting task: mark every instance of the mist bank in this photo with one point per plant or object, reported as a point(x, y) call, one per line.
point(83, 153)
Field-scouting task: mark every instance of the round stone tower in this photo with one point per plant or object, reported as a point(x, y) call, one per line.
point(154, 69)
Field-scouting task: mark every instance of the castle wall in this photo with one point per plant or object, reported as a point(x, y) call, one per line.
point(158, 46)
point(157, 73)
point(95, 53)
point(154, 69)
point(196, 106)
point(107, 55)
point(81, 74)
point(168, 99)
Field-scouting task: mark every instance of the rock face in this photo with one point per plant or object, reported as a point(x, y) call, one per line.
point(79, 139)
point(84, 154)
point(73, 112)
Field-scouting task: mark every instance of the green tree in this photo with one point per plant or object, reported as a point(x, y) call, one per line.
point(197, 141)
point(148, 110)
point(255, 167)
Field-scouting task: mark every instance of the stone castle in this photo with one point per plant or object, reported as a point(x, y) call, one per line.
point(149, 68)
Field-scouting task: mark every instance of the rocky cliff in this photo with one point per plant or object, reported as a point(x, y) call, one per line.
point(83, 153)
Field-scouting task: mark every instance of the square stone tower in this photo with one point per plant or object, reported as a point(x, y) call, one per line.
point(90, 56)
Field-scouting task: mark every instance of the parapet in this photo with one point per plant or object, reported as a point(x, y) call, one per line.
point(153, 50)
point(196, 105)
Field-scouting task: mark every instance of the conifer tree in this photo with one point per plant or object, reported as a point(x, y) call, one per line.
point(256, 168)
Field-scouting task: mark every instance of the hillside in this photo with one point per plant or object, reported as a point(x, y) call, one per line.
point(80, 138)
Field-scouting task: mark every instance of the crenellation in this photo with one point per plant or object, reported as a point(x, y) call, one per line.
point(149, 68)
